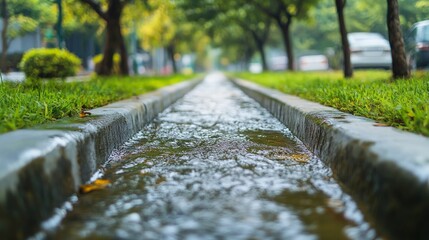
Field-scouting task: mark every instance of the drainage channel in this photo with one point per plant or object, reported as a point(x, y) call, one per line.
point(215, 165)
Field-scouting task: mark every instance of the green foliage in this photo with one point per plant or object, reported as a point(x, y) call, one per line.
point(412, 11)
point(36, 9)
point(402, 104)
point(116, 63)
point(27, 15)
point(49, 63)
point(25, 104)
point(20, 25)
point(159, 29)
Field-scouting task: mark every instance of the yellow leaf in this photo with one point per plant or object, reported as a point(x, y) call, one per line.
point(98, 184)
point(297, 157)
point(380, 125)
point(160, 180)
point(83, 113)
point(302, 158)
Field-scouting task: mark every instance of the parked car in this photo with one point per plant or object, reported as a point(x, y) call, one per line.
point(417, 45)
point(369, 50)
point(313, 63)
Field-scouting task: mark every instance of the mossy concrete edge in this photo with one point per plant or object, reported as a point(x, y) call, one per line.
point(40, 168)
point(385, 169)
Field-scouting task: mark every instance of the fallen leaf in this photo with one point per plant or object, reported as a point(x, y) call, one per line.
point(335, 204)
point(98, 184)
point(380, 125)
point(298, 157)
point(302, 158)
point(83, 113)
point(160, 180)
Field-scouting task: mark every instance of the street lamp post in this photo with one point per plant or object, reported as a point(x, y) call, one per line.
point(60, 24)
point(134, 46)
point(134, 49)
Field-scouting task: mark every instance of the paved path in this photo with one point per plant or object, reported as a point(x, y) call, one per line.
point(215, 165)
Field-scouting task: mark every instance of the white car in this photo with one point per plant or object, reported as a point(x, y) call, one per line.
point(313, 63)
point(369, 50)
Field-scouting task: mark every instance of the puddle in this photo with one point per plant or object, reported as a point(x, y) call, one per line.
point(215, 165)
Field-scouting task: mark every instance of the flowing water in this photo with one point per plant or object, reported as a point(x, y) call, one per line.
point(215, 165)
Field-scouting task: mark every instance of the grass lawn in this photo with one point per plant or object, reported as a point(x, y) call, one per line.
point(403, 103)
point(24, 105)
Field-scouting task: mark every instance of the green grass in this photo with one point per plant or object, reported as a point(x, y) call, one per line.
point(403, 103)
point(23, 105)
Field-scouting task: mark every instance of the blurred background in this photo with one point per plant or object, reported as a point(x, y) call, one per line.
point(187, 36)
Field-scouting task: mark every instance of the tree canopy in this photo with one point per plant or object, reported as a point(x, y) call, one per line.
point(20, 17)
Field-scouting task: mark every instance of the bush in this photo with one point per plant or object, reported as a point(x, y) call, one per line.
point(116, 63)
point(49, 63)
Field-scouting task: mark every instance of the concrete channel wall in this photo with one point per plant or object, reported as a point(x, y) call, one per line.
point(40, 168)
point(386, 170)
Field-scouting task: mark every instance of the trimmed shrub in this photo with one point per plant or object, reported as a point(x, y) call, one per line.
point(49, 63)
point(116, 61)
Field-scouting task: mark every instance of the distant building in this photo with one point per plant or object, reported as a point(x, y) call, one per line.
point(24, 43)
point(82, 43)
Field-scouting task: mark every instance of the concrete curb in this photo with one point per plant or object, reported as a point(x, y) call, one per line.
point(385, 169)
point(42, 168)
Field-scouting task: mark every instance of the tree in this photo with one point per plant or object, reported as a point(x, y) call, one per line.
point(259, 33)
point(320, 30)
point(114, 40)
point(256, 25)
point(162, 28)
point(283, 12)
point(21, 17)
point(399, 59)
point(59, 24)
point(231, 24)
point(234, 43)
point(347, 67)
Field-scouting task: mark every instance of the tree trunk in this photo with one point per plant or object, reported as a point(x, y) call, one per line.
point(263, 59)
point(289, 49)
point(247, 57)
point(261, 50)
point(59, 25)
point(122, 51)
point(347, 68)
point(114, 41)
point(399, 59)
point(5, 17)
point(170, 50)
point(106, 65)
point(285, 30)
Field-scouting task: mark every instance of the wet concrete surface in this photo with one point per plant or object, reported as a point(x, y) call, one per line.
point(215, 165)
